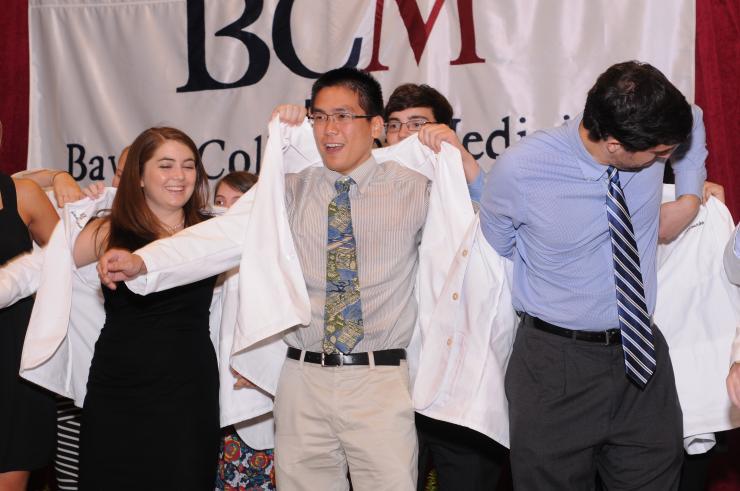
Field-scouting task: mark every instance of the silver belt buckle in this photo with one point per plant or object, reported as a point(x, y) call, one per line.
point(322, 359)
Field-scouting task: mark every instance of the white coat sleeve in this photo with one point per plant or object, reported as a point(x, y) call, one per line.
point(20, 277)
point(731, 258)
point(732, 268)
point(200, 251)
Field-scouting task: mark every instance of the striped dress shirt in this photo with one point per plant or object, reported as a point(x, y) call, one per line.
point(389, 207)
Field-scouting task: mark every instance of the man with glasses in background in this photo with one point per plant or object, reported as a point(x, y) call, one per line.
point(462, 457)
point(422, 109)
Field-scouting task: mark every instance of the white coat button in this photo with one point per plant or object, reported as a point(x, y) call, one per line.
point(455, 296)
point(465, 252)
point(449, 341)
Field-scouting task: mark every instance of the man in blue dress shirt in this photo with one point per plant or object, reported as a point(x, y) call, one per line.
point(576, 208)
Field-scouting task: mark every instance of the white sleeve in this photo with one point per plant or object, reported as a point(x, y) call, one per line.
point(200, 251)
point(731, 259)
point(20, 277)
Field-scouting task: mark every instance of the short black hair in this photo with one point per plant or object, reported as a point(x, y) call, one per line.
point(368, 89)
point(635, 103)
point(412, 95)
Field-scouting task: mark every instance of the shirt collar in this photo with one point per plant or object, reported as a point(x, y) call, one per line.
point(361, 175)
point(591, 169)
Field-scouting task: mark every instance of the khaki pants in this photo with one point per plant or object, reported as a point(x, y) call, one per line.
point(329, 419)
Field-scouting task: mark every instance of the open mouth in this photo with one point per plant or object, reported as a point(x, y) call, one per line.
point(333, 147)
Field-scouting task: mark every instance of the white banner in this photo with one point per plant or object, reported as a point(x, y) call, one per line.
point(104, 70)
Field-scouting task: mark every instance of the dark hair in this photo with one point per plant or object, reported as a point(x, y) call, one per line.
point(412, 95)
point(635, 103)
point(240, 180)
point(132, 223)
point(362, 83)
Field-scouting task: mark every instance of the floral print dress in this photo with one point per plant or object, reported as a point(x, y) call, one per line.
point(242, 468)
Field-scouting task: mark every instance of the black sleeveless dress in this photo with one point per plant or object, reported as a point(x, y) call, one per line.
point(27, 412)
point(151, 417)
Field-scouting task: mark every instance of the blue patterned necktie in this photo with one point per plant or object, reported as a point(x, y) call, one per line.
point(343, 309)
point(634, 321)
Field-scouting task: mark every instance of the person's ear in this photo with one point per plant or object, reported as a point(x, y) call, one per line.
point(377, 126)
point(612, 145)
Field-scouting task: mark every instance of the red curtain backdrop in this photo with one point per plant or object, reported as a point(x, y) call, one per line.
point(718, 91)
point(14, 85)
point(717, 88)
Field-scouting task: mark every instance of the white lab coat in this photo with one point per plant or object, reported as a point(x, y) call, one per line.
point(732, 262)
point(732, 269)
point(20, 276)
point(697, 310)
point(68, 315)
point(62, 333)
point(459, 350)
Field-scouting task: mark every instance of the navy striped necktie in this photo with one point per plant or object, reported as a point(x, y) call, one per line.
point(634, 320)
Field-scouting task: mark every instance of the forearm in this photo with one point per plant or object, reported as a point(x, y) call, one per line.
point(204, 250)
point(470, 167)
point(676, 215)
point(42, 177)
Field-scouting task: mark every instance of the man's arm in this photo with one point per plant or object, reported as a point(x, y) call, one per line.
point(501, 210)
point(432, 135)
point(200, 251)
point(690, 171)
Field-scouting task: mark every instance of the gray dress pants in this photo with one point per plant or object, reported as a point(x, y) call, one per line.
point(574, 413)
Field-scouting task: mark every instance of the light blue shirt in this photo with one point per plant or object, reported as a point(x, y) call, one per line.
point(544, 207)
point(475, 188)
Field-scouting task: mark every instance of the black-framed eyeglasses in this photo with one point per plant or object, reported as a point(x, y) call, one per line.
point(341, 118)
point(413, 125)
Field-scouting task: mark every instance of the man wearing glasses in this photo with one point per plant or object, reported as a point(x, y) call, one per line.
point(422, 109)
point(343, 399)
point(463, 458)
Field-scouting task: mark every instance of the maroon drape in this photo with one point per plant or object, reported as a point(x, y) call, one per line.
point(717, 88)
point(718, 91)
point(14, 84)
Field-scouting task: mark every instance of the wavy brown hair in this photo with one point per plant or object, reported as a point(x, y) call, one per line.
point(132, 223)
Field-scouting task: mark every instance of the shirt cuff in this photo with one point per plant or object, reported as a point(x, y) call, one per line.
point(691, 182)
point(475, 188)
point(140, 285)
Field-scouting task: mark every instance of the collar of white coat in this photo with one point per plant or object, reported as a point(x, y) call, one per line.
point(300, 150)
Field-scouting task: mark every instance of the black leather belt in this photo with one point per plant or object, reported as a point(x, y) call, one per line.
point(385, 357)
point(608, 337)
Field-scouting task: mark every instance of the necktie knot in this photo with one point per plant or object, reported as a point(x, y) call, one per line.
point(343, 184)
point(613, 174)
